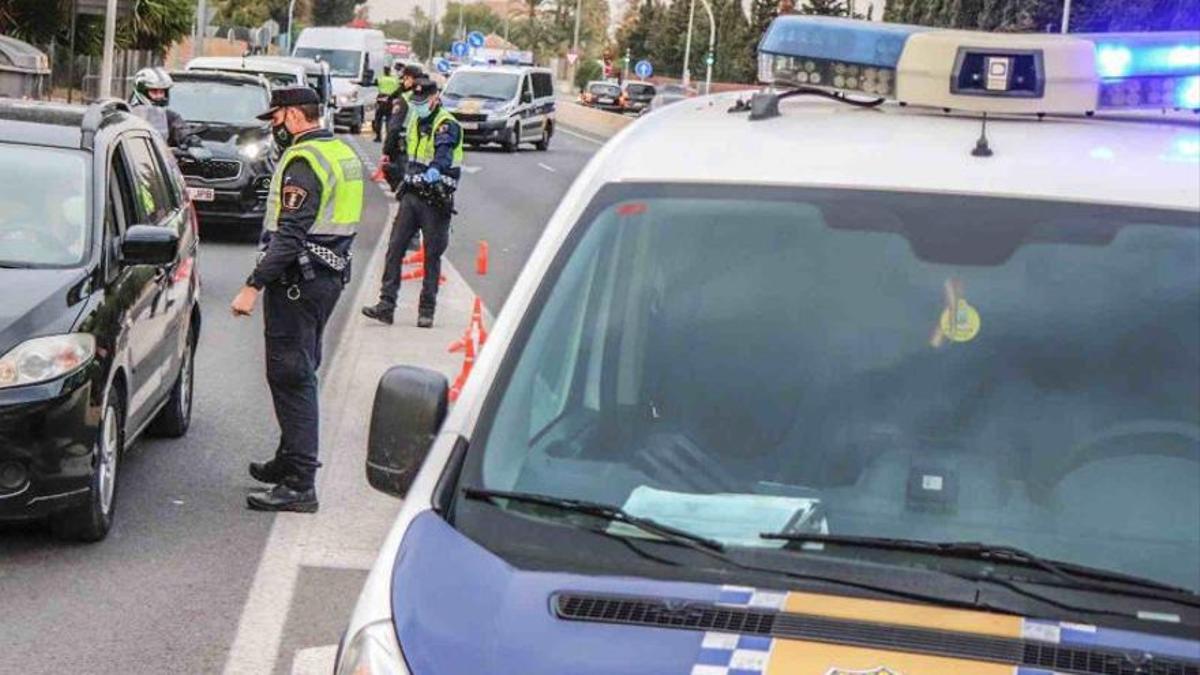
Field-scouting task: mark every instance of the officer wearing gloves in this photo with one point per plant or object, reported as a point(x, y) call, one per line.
point(433, 161)
point(393, 145)
point(151, 96)
point(313, 210)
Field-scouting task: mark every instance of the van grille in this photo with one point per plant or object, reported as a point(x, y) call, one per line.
point(703, 616)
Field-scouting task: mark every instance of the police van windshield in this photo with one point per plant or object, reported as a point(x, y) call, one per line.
point(221, 102)
point(342, 62)
point(474, 84)
point(938, 368)
point(43, 206)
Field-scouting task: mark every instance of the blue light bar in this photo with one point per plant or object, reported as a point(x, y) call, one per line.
point(833, 39)
point(1120, 55)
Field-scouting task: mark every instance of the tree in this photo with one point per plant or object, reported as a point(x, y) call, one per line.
point(398, 29)
point(634, 32)
point(475, 16)
point(762, 13)
point(735, 43)
point(153, 25)
point(588, 70)
point(157, 24)
point(332, 12)
point(825, 8)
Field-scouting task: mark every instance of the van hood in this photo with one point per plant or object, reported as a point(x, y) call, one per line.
point(343, 85)
point(460, 609)
point(38, 302)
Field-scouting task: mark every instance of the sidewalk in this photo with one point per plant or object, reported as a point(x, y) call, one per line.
point(354, 518)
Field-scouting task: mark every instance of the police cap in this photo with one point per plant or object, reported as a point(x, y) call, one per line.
point(423, 88)
point(285, 97)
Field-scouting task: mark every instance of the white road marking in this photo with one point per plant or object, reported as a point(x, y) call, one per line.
point(471, 169)
point(315, 660)
point(580, 136)
point(548, 167)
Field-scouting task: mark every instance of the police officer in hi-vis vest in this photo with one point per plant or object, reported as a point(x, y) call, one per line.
point(313, 210)
point(432, 168)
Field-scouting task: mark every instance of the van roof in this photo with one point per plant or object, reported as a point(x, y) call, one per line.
point(250, 64)
point(515, 70)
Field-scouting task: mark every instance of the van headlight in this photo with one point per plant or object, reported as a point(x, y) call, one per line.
point(373, 650)
point(252, 150)
point(46, 358)
point(501, 111)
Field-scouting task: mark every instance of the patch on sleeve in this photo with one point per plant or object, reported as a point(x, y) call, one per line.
point(294, 197)
point(444, 128)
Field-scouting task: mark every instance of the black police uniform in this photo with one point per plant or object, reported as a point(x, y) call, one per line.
point(419, 213)
point(298, 299)
point(394, 144)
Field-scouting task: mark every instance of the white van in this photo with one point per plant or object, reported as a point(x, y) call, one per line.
point(355, 56)
point(509, 105)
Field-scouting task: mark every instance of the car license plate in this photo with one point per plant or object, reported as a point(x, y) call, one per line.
point(201, 194)
point(469, 126)
point(606, 100)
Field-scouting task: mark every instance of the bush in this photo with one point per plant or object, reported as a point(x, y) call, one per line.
point(587, 71)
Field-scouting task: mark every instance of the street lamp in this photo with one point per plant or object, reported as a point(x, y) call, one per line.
point(687, 48)
point(1066, 22)
point(110, 36)
point(432, 10)
point(288, 43)
point(575, 41)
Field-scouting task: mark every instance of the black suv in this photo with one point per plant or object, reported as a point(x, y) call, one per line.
point(99, 312)
point(232, 156)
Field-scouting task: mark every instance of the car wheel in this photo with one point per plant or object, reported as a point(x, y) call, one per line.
point(514, 140)
point(544, 144)
point(91, 522)
point(176, 416)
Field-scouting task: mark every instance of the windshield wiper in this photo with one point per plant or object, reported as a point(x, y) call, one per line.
point(1070, 574)
point(607, 512)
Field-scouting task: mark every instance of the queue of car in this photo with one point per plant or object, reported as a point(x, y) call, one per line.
point(892, 367)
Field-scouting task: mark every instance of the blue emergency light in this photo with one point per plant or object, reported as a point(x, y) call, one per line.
point(984, 71)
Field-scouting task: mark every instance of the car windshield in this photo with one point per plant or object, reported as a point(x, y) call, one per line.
point(938, 368)
point(221, 102)
point(342, 62)
point(496, 86)
point(605, 89)
point(640, 89)
point(43, 206)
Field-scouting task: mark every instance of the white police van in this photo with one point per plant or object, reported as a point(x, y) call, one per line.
point(834, 379)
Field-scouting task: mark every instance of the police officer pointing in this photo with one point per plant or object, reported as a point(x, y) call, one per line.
point(313, 210)
point(433, 166)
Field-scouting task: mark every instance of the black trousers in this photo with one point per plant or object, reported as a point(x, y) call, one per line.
point(379, 123)
point(294, 327)
point(416, 215)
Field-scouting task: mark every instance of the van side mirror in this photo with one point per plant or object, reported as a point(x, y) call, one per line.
point(526, 96)
point(410, 406)
point(368, 79)
point(149, 245)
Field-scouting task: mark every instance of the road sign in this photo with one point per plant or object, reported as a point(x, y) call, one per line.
point(459, 49)
point(643, 69)
point(475, 39)
point(443, 66)
point(572, 57)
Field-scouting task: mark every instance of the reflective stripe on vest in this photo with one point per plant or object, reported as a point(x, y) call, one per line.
point(421, 148)
point(341, 175)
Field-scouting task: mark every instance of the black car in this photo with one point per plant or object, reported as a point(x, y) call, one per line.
point(636, 96)
point(602, 95)
point(99, 311)
point(228, 172)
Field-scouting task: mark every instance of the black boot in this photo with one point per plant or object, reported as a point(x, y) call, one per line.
point(266, 472)
point(283, 498)
point(380, 312)
point(425, 320)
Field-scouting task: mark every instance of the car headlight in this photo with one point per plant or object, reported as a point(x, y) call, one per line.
point(373, 650)
point(252, 150)
point(345, 99)
point(45, 358)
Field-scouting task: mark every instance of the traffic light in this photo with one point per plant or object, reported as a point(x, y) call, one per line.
point(708, 59)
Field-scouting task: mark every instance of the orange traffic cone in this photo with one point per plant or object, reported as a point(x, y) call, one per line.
point(418, 257)
point(481, 259)
point(468, 364)
point(378, 176)
point(477, 321)
point(461, 343)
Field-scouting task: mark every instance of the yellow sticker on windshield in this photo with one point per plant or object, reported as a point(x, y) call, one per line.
point(961, 324)
point(470, 105)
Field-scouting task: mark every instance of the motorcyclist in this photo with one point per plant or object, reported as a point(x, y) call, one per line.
point(151, 98)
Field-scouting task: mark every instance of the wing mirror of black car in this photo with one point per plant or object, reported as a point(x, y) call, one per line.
point(149, 245)
point(410, 406)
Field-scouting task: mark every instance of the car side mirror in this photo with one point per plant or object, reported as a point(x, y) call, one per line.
point(368, 79)
point(526, 97)
point(410, 406)
point(149, 245)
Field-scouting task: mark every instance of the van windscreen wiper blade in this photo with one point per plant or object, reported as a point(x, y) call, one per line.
point(603, 511)
point(1070, 574)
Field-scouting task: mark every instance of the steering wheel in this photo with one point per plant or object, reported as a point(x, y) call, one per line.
point(1163, 438)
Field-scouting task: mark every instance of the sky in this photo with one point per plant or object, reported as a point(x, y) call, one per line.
point(384, 10)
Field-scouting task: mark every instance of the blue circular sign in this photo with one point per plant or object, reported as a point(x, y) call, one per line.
point(459, 49)
point(443, 66)
point(643, 69)
point(475, 39)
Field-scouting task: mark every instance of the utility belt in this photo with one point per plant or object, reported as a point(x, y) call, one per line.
point(314, 261)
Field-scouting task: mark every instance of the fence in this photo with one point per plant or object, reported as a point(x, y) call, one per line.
point(80, 81)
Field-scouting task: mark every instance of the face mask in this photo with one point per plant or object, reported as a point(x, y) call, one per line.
point(283, 137)
point(421, 110)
